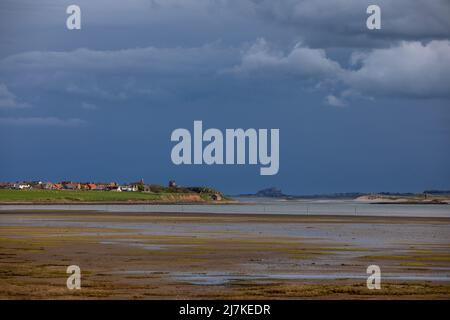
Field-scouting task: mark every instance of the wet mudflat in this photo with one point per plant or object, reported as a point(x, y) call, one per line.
point(209, 256)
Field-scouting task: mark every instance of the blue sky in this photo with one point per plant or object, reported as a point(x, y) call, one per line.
point(358, 110)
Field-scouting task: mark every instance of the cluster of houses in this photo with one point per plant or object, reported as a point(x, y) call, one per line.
point(71, 185)
point(138, 186)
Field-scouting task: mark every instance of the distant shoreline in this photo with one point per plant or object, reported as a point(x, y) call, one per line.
point(411, 202)
point(89, 197)
point(404, 199)
point(383, 199)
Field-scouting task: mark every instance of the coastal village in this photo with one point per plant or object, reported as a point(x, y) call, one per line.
point(138, 186)
point(73, 185)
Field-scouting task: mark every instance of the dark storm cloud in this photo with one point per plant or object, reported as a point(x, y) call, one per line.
point(317, 23)
point(408, 69)
point(343, 22)
point(115, 75)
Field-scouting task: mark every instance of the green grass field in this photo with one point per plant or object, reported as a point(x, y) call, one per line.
point(37, 195)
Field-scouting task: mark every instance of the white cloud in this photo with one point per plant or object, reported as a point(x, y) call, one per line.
point(300, 61)
point(334, 101)
point(410, 69)
point(42, 121)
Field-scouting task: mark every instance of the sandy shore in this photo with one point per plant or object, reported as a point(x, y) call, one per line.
point(204, 256)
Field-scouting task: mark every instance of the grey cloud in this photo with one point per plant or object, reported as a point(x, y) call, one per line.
point(8, 99)
point(319, 23)
point(406, 69)
point(343, 22)
point(334, 101)
point(42, 121)
point(139, 59)
point(116, 74)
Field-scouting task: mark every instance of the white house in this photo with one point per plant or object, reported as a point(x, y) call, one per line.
point(128, 188)
point(21, 186)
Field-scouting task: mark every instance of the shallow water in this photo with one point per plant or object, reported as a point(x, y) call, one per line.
point(362, 235)
point(224, 278)
point(197, 250)
point(265, 206)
